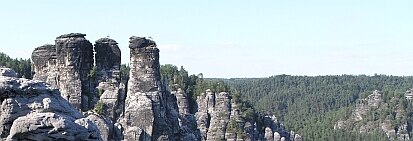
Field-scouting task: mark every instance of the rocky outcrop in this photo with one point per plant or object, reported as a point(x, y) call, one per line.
point(220, 118)
point(104, 125)
point(368, 117)
point(32, 110)
point(188, 129)
point(44, 64)
point(111, 96)
point(145, 110)
point(146, 104)
point(108, 59)
point(75, 60)
point(7, 72)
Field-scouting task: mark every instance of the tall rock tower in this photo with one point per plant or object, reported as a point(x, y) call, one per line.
point(145, 106)
point(74, 61)
point(108, 59)
point(110, 91)
point(44, 65)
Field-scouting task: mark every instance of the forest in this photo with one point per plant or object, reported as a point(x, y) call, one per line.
point(21, 66)
point(310, 105)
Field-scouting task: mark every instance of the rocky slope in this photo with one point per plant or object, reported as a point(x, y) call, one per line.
point(144, 108)
point(32, 110)
point(372, 114)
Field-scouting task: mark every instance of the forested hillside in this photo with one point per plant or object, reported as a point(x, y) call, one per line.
point(21, 66)
point(312, 105)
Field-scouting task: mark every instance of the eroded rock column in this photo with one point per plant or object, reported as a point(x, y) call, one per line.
point(144, 104)
point(44, 64)
point(74, 61)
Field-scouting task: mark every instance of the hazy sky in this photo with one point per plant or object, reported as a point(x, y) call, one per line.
point(237, 38)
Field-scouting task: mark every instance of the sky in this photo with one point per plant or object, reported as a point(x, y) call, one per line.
point(230, 38)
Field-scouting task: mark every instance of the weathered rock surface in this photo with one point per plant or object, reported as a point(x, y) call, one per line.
point(146, 104)
point(187, 121)
point(145, 110)
point(32, 110)
point(75, 60)
point(111, 95)
point(219, 118)
point(44, 65)
point(7, 72)
point(108, 59)
point(104, 125)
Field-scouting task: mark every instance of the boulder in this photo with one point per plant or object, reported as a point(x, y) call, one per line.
point(32, 110)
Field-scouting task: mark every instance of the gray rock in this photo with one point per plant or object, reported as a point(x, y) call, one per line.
point(269, 135)
point(219, 117)
point(75, 61)
point(277, 136)
point(146, 104)
point(297, 137)
point(105, 126)
point(7, 72)
point(111, 95)
point(108, 59)
point(44, 65)
point(32, 110)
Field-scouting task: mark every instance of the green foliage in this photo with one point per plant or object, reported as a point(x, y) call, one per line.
point(193, 84)
point(93, 72)
point(21, 66)
point(100, 92)
point(99, 108)
point(234, 126)
point(312, 105)
point(124, 73)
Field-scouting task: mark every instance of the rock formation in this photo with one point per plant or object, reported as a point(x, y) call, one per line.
point(44, 65)
point(32, 110)
point(7, 72)
point(111, 92)
point(74, 60)
point(146, 106)
point(108, 59)
point(219, 118)
point(146, 109)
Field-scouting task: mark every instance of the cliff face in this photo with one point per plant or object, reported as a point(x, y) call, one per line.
point(146, 105)
point(108, 61)
point(32, 110)
point(74, 60)
point(44, 64)
point(145, 109)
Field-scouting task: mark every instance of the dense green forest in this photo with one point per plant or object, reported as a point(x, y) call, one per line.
point(21, 66)
point(312, 105)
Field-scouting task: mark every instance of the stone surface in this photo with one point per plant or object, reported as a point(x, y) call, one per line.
point(277, 136)
point(75, 61)
point(145, 110)
point(146, 105)
point(44, 64)
point(105, 126)
point(111, 95)
point(269, 135)
point(108, 59)
point(32, 110)
point(7, 72)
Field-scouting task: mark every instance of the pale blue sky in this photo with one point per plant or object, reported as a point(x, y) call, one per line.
point(237, 38)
